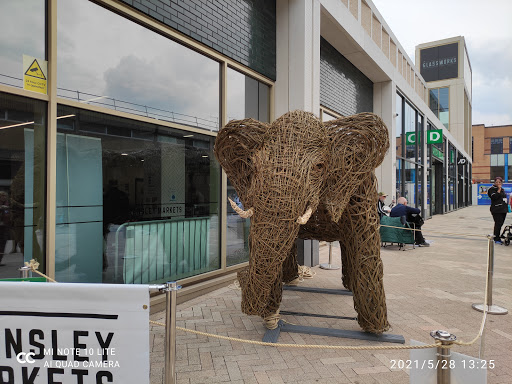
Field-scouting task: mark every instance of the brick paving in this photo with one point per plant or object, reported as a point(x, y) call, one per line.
point(426, 289)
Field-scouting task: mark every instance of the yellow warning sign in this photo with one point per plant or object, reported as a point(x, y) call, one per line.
point(34, 74)
point(35, 71)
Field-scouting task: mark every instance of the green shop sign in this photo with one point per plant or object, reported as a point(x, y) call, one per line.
point(437, 153)
point(435, 136)
point(410, 138)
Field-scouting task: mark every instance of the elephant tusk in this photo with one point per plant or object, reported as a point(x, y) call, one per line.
point(243, 214)
point(304, 218)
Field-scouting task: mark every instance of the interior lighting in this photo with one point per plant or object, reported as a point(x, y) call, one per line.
point(63, 117)
point(188, 135)
point(17, 125)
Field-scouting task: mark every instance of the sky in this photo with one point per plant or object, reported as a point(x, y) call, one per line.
point(487, 29)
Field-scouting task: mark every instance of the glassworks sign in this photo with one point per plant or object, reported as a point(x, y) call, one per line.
point(438, 63)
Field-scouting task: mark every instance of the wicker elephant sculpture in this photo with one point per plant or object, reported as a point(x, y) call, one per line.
point(299, 177)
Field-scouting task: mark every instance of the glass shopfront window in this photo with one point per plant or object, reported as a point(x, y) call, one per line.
point(136, 202)
point(411, 173)
point(452, 176)
point(421, 138)
point(409, 168)
point(398, 121)
point(22, 182)
point(247, 98)
point(163, 80)
point(399, 177)
point(23, 32)
point(410, 133)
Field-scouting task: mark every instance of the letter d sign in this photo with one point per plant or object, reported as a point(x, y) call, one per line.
point(435, 136)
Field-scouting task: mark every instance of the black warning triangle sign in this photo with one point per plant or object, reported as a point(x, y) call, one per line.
point(35, 71)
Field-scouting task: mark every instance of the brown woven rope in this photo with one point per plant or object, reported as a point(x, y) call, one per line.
point(282, 169)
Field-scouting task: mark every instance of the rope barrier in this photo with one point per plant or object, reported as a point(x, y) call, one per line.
point(429, 231)
point(33, 265)
point(308, 273)
point(311, 346)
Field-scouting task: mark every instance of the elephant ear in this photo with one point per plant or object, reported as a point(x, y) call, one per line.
point(358, 145)
point(234, 148)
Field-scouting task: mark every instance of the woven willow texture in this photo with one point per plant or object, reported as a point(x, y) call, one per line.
point(282, 169)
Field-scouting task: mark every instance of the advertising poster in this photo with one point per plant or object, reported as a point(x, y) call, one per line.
point(483, 198)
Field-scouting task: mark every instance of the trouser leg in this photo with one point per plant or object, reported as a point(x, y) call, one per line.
point(499, 219)
point(418, 236)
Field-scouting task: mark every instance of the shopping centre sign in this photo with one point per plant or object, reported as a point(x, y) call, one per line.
point(440, 62)
point(74, 333)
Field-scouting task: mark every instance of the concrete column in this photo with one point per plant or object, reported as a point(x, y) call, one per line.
point(298, 56)
point(384, 105)
point(298, 74)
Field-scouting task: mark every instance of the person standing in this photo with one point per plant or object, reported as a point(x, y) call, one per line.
point(498, 208)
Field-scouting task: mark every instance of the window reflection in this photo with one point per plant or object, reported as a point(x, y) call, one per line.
point(22, 182)
point(247, 97)
point(22, 31)
point(143, 73)
point(411, 177)
point(136, 202)
point(237, 245)
point(410, 132)
point(398, 122)
point(439, 101)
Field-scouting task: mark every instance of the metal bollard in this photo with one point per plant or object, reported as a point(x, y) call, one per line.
point(443, 355)
point(24, 272)
point(329, 266)
point(491, 309)
point(171, 292)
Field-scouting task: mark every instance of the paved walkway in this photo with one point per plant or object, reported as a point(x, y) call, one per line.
point(426, 289)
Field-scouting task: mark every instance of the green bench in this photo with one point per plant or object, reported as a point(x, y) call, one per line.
point(392, 231)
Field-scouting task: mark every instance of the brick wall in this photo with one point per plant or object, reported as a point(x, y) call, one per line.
point(243, 30)
point(343, 88)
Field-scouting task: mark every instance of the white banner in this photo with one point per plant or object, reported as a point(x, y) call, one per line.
point(73, 333)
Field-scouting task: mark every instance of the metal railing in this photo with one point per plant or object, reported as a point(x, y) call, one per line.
point(126, 106)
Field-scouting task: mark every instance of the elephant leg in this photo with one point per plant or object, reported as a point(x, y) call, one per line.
point(361, 245)
point(290, 266)
point(346, 266)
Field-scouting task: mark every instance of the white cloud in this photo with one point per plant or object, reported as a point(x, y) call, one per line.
point(487, 30)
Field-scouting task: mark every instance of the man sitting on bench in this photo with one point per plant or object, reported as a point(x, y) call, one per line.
point(412, 215)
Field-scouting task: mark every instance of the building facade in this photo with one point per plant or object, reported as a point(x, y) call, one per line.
point(109, 112)
point(492, 153)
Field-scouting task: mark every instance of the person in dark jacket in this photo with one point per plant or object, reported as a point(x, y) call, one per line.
point(412, 216)
point(499, 207)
